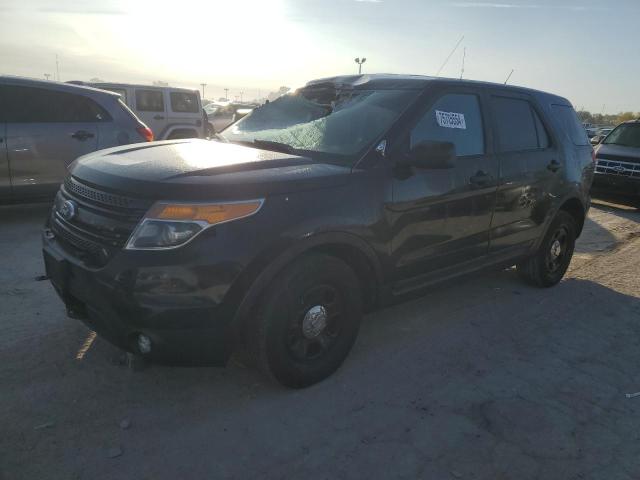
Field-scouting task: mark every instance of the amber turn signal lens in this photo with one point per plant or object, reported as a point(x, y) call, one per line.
point(211, 214)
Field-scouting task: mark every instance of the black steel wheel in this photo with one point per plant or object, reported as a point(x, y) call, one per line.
point(307, 321)
point(547, 267)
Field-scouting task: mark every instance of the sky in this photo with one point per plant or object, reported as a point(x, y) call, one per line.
point(585, 50)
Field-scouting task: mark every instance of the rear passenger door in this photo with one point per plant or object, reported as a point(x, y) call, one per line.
point(185, 114)
point(151, 108)
point(46, 130)
point(529, 168)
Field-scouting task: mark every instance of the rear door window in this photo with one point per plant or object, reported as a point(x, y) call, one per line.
point(40, 105)
point(184, 102)
point(149, 101)
point(571, 125)
point(516, 125)
point(543, 136)
point(454, 118)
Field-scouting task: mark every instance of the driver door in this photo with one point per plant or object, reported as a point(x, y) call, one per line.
point(441, 217)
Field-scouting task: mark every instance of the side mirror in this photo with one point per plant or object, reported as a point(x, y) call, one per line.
point(596, 139)
point(428, 154)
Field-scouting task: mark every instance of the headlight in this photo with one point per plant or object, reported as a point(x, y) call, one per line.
point(171, 225)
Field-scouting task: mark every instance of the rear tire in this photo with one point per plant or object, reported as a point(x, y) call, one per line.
point(307, 321)
point(549, 264)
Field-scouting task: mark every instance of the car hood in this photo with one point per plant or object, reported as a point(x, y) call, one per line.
point(618, 152)
point(202, 169)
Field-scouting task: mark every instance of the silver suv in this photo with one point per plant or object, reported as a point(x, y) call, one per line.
point(169, 111)
point(44, 126)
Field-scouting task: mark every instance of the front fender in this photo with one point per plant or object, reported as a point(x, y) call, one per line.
point(257, 277)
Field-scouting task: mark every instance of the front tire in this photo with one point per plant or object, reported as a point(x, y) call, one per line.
point(307, 322)
point(547, 267)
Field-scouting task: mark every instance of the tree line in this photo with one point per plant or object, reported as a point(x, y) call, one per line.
point(610, 119)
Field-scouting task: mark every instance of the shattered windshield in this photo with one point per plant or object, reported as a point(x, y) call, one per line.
point(342, 123)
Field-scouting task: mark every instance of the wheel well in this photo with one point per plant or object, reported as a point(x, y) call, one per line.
point(573, 207)
point(360, 264)
point(182, 133)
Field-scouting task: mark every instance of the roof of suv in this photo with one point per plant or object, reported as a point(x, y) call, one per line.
point(137, 85)
point(400, 81)
point(50, 84)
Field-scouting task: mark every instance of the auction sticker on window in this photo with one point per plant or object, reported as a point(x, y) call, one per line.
point(451, 120)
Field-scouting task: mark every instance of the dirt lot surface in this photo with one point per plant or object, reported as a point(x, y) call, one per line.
point(483, 379)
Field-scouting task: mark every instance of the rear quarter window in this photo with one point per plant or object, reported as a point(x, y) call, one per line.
point(568, 119)
point(184, 102)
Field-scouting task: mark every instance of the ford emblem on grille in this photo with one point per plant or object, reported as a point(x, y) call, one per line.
point(68, 210)
point(619, 169)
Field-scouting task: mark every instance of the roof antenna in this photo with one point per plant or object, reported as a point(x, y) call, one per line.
point(450, 55)
point(464, 55)
point(509, 76)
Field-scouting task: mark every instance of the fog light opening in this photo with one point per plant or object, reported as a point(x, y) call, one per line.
point(144, 343)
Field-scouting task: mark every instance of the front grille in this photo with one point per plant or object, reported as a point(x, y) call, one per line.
point(614, 167)
point(618, 158)
point(102, 223)
point(73, 186)
point(77, 241)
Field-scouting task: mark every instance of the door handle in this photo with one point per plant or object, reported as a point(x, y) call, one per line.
point(554, 166)
point(480, 178)
point(82, 135)
point(158, 117)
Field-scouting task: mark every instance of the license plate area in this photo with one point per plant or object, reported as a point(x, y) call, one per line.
point(58, 271)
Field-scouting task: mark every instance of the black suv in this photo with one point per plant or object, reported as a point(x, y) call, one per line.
point(346, 195)
point(618, 164)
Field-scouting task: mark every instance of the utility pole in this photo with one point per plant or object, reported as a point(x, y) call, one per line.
point(360, 62)
point(509, 76)
point(203, 85)
point(226, 94)
point(47, 75)
point(57, 68)
point(241, 93)
point(464, 56)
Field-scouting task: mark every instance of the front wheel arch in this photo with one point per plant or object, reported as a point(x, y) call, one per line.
point(351, 249)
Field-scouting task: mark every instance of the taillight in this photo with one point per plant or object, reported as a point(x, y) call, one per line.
point(146, 133)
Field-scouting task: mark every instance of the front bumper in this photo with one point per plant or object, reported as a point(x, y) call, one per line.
point(616, 185)
point(173, 305)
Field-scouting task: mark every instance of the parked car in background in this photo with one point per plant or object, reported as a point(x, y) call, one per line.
point(618, 164)
point(169, 111)
point(44, 126)
point(600, 135)
point(345, 196)
point(223, 114)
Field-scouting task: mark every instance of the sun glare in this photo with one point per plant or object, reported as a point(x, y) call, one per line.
point(201, 40)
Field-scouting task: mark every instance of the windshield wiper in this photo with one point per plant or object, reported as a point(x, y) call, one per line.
point(271, 145)
point(219, 138)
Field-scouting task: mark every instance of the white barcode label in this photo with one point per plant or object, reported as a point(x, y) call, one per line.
point(451, 120)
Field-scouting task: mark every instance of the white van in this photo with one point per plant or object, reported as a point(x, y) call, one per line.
point(168, 111)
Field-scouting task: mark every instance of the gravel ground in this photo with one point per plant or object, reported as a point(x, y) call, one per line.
point(483, 379)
